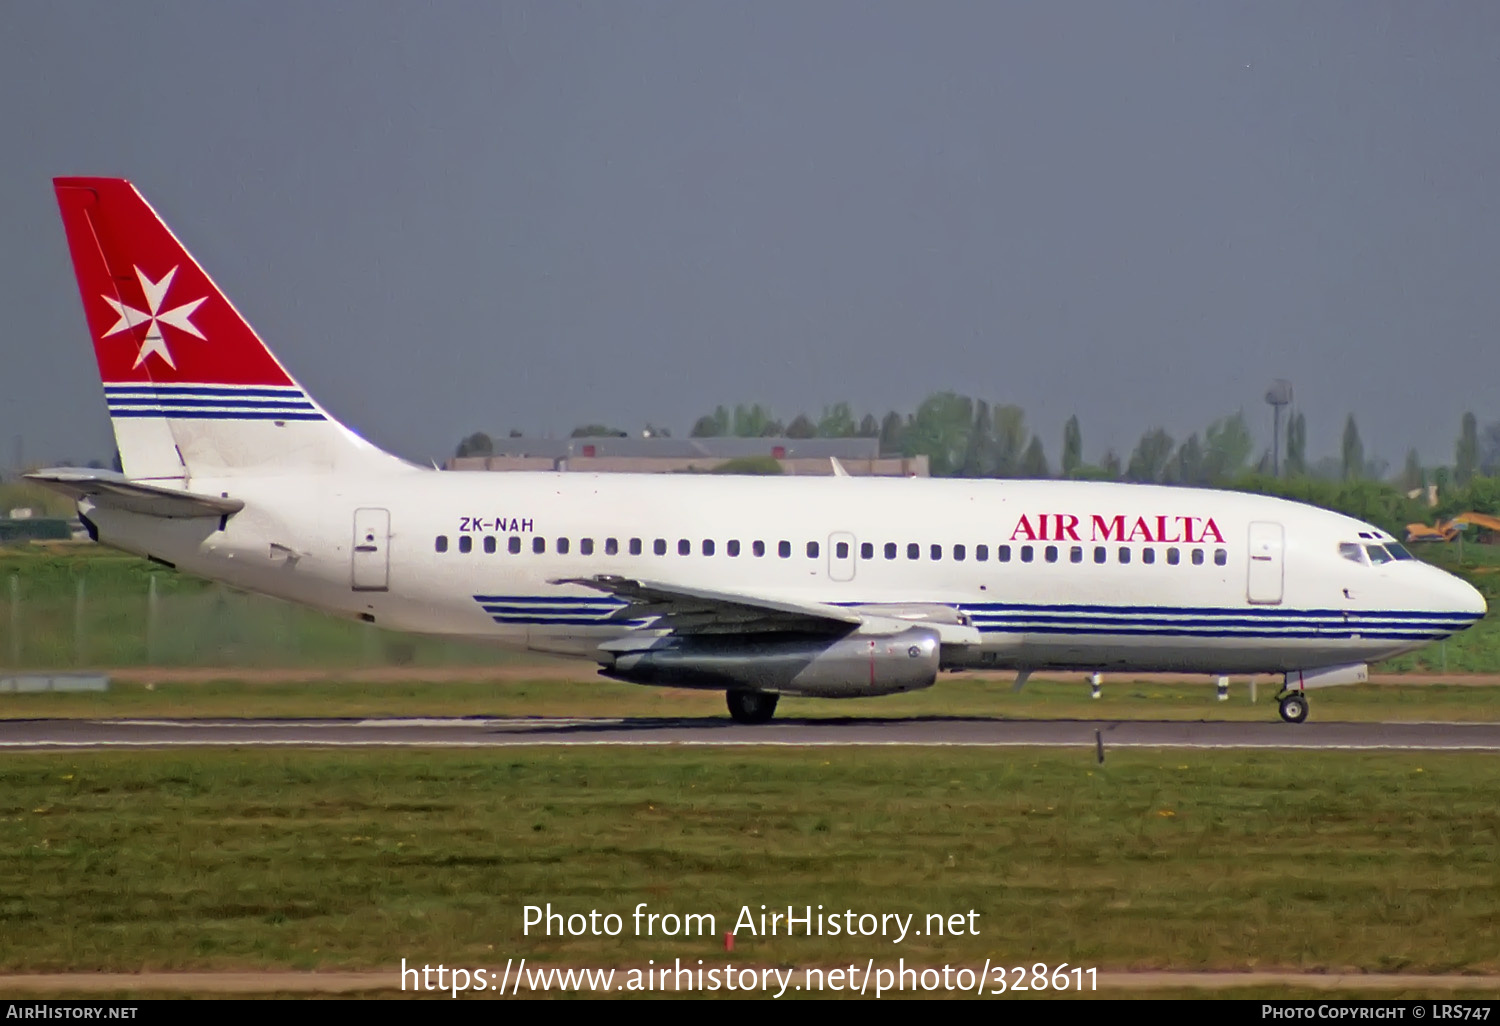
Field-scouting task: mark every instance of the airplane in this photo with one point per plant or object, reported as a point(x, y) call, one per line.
point(836, 586)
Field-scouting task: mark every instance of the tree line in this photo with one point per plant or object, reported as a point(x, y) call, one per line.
point(966, 437)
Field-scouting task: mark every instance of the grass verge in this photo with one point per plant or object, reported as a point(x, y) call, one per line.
point(350, 859)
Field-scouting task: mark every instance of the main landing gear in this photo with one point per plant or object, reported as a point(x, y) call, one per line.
point(1293, 706)
point(751, 706)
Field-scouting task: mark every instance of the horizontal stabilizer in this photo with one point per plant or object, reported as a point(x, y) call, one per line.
point(116, 491)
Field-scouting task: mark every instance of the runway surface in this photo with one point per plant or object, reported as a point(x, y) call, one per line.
point(930, 731)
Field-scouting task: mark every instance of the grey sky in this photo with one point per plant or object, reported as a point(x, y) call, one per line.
point(465, 216)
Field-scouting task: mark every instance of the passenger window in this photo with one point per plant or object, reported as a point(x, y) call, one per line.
point(1100, 554)
point(1002, 553)
point(866, 550)
point(890, 550)
point(1124, 554)
point(784, 549)
point(684, 547)
point(585, 546)
point(937, 552)
point(732, 547)
point(1050, 553)
point(466, 543)
point(1197, 557)
point(489, 543)
point(514, 545)
point(1148, 555)
point(539, 545)
point(981, 553)
point(841, 550)
point(1378, 554)
point(812, 550)
point(635, 546)
point(913, 551)
point(659, 546)
point(1075, 554)
point(708, 546)
point(562, 546)
point(959, 552)
point(1221, 557)
point(1026, 553)
point(611, 547)
point(442, 543)
point(758, 548)
point(1173, 556)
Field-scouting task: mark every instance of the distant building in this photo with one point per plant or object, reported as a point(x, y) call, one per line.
point(613, 454)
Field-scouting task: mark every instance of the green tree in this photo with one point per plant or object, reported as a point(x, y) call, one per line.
point(597, 431)
point(1072, 454)
point(1227, 446)
point(1010, 437)
point(750, 421)
point(477, 444)
point(801, 427)
point(1110, 465)
point(1149, 460)
point(979, 454)
point(1191, 466)
point(1489, 450)
point(1296, 446)
point(940, 431)
point(1353, 453)
point(869, 427)
point(1467, 454)
point(1034, 461)
point(1413, 477)
point(892, 433)
point(837, 422)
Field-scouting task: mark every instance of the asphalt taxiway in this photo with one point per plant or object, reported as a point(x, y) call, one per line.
point(54, 734)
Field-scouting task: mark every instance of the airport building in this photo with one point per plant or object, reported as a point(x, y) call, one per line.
point(624, 454)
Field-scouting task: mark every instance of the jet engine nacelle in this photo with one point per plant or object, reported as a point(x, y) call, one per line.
point(852, 666)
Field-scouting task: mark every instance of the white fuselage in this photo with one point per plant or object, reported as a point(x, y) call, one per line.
point(1080, 575)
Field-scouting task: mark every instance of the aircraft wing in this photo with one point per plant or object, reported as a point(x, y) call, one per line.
point(684, 610)
point(116, 491)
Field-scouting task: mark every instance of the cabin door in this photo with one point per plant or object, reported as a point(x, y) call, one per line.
point(371, 567)
point(1266, 569)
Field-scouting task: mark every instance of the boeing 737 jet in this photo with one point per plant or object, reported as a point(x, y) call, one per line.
point(757, 586)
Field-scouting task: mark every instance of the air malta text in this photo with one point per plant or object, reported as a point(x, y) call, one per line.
point(494, 525)
point(1120, 528)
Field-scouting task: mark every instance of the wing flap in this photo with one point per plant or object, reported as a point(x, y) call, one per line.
point(116, 491)
point(686, 610)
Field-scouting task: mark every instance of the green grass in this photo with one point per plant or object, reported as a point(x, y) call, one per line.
point(589, 695)
point(1225, 860)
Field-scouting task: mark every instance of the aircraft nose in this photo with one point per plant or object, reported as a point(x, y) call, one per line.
point(1468, 600)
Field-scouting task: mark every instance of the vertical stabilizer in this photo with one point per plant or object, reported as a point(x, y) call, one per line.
point(191, 387)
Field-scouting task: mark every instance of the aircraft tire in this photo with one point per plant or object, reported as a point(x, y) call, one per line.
point(751, 706)
point(1294, 708)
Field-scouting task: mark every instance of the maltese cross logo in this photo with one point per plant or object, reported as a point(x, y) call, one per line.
point(177, 317)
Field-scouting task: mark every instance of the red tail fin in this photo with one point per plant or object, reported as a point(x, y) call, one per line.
point(191, 387)
point(154, 315)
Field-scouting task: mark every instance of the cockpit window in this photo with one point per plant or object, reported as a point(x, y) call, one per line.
point(1352, 552)
point(1398, 551)
point(1378, 554)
